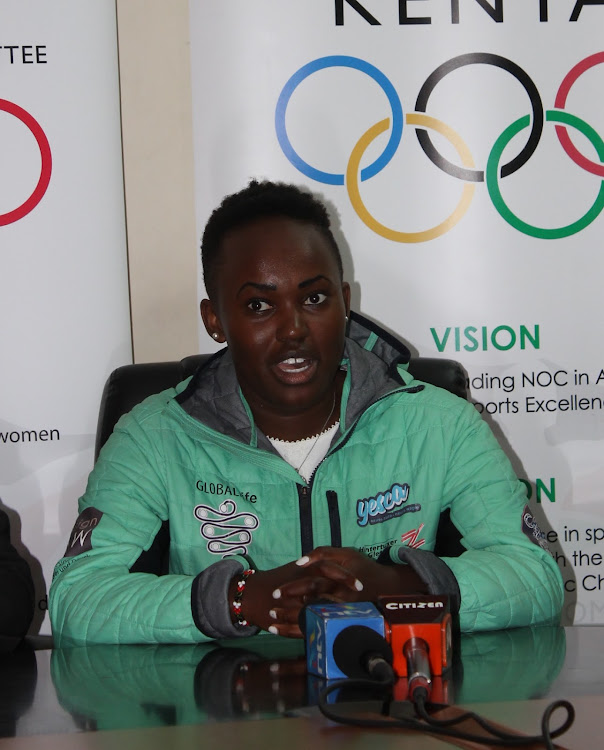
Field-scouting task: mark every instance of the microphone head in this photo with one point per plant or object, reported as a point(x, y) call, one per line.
point(323, 624)
point(355, 645)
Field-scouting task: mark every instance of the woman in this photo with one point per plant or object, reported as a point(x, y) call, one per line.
point(302, 461)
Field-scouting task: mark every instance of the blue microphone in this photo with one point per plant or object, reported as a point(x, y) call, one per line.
point(346, 640)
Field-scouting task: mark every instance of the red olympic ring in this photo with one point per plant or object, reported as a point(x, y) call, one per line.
point(560, 103)
point(45, 170)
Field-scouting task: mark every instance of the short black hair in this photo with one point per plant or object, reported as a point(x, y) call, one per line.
point(257, 201)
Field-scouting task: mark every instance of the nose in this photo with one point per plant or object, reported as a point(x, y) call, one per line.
point(292, 324)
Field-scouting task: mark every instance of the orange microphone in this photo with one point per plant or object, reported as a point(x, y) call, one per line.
point(418, 629)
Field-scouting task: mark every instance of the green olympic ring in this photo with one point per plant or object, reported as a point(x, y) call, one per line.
point(492, 172)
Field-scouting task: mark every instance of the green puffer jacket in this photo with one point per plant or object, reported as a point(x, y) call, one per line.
point(188, 469)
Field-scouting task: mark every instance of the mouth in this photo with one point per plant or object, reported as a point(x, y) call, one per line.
point(294, 364)
point(295, 370)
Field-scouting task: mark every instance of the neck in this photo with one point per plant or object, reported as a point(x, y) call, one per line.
point(302, 425)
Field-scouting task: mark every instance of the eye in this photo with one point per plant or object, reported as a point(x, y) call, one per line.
point(315, 298)
point(258, 305)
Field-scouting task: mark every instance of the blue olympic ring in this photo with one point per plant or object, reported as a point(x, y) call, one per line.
point(344, 61)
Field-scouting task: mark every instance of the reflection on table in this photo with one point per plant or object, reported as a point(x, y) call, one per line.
point(18, 678)
point(118, 687)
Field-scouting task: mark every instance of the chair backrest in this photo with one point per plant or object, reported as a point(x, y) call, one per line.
point(130, 384)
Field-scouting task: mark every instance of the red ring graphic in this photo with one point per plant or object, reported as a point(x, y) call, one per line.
point(560, 103)
point(45, 171)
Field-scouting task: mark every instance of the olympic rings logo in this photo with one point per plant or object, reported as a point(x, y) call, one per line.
point(46, 166)
point(467, 172)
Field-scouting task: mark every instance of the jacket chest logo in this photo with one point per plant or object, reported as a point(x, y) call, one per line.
point(226, 531)
point(385, 505)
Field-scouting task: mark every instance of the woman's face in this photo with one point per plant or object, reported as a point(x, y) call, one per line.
point(281, 307)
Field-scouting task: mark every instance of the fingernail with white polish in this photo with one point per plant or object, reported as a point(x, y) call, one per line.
point(272, 629)
point(358, 585)
point(303, 560)
point(277, 594)
point(272, 614)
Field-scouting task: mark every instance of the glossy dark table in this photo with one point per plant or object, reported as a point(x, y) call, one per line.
point(213, 695)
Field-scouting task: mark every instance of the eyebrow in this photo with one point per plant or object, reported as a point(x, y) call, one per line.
point(273, 287)
point(309, 282)
point(259, 287)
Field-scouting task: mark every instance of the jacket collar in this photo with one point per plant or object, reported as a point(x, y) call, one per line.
point(372, 357)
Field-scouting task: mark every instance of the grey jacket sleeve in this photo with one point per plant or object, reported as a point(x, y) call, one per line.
point(435, 573)
point(210, 602)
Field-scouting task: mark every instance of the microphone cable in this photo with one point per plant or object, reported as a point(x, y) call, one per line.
point(499, 737)
point(415, 716)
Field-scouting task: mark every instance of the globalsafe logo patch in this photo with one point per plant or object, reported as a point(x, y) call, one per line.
point(10, 214)
point(226, 531)
point(451, 152)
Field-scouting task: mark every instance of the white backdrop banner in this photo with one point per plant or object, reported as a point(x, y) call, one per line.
point(459, 146)
point(63, 272)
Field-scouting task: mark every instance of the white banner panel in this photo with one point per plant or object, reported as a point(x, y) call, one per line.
point(63, 271)
point(459, 146)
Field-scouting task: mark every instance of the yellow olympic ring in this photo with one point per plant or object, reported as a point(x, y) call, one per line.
point(352, 179)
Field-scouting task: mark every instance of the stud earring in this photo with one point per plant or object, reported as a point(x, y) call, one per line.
point(215, 336)
point(346, 318)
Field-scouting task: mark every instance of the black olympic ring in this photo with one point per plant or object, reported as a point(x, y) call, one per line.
point(473, 58)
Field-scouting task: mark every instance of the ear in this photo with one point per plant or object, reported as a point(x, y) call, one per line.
point(346, 295)
point(211, 321)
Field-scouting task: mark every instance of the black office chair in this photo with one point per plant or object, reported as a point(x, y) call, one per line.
point(130, 384)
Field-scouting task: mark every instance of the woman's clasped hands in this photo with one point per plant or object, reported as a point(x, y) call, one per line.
point(274, 598)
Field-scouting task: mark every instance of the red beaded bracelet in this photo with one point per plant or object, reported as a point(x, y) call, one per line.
point(236, 605)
